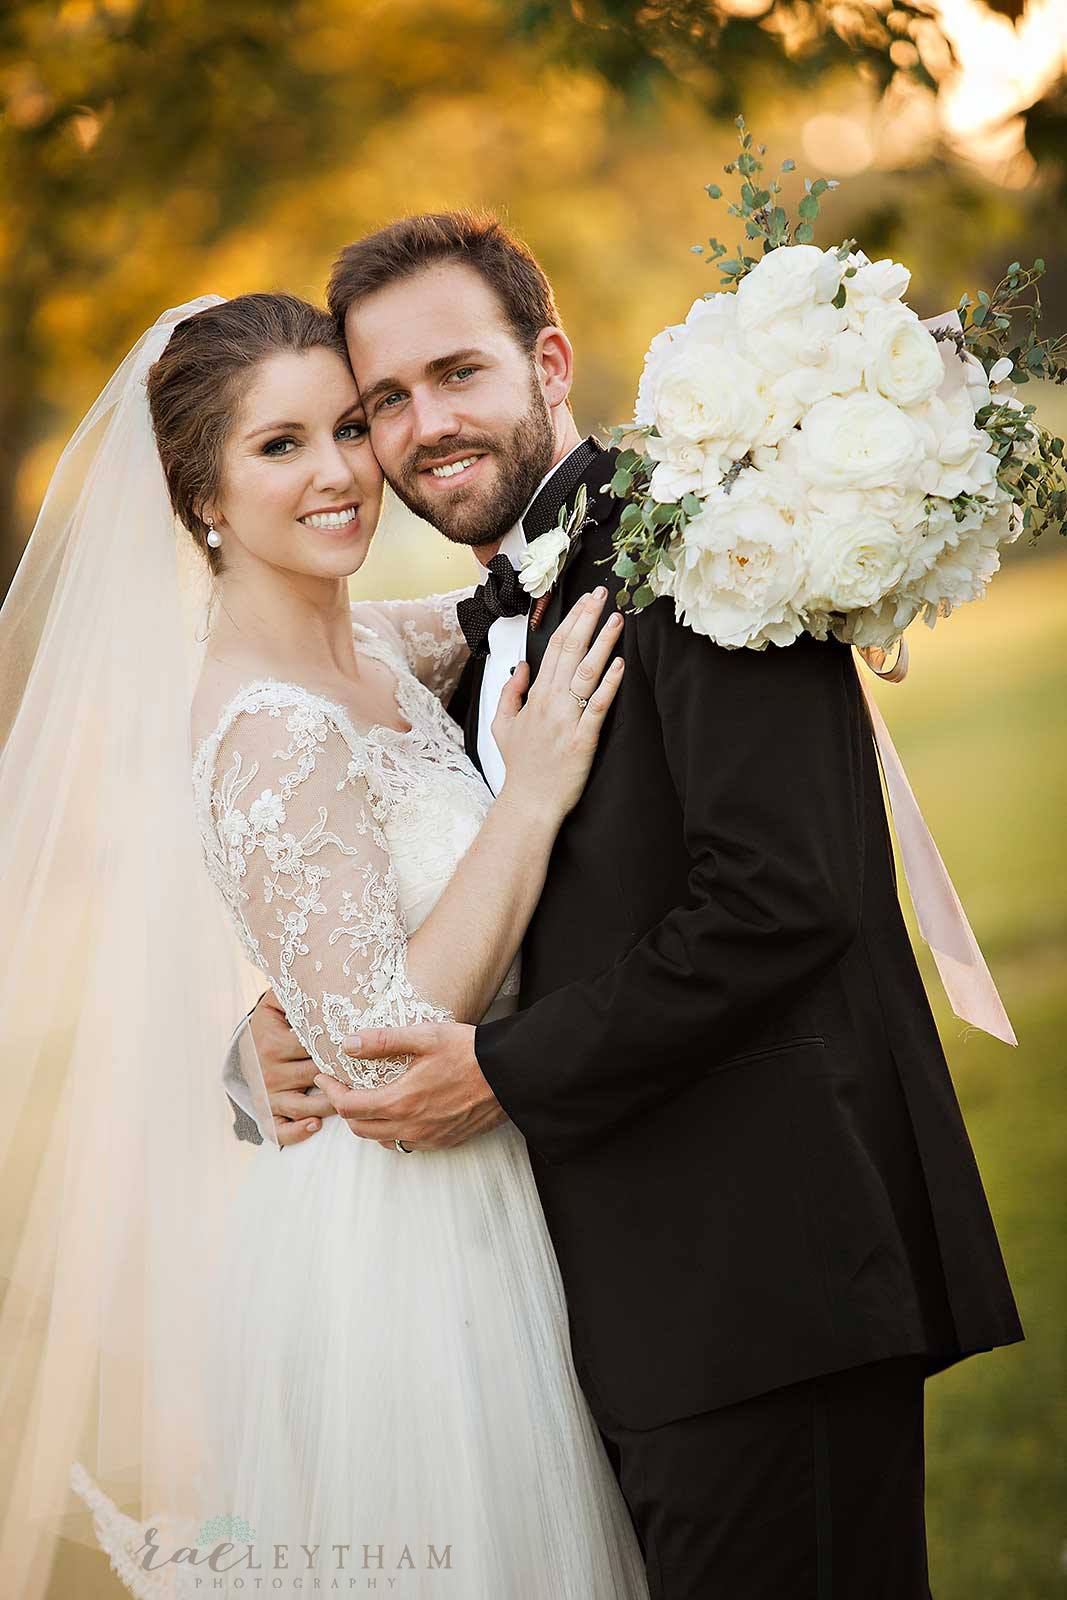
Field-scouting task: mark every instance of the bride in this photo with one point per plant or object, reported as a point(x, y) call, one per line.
point(343, 1361)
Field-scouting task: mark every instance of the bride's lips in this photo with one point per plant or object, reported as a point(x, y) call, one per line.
point(454, 479)
point(342, 532)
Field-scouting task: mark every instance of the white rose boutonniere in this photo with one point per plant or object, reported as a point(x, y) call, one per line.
point(543, 562)
point(546, 556)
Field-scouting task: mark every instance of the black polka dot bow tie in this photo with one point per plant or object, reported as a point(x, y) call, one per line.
point(501, 595)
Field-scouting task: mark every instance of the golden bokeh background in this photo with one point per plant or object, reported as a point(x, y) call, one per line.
point(152, 150)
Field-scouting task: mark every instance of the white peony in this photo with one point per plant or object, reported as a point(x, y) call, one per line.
point(713, 399)
point(902, 504)
point(787, 280)
point(903, 361)
point(739, 566)
point(542, 561)
point(813, 337)
point(854, 559)
point(856, 441)
point(876, 284)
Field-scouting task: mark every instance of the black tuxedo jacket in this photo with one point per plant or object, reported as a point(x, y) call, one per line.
point(740, 1120)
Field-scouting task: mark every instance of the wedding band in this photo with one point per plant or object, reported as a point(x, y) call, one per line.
point(405, 1149)
point(581, 702)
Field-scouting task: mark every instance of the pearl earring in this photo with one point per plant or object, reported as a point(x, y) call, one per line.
point(214, 539)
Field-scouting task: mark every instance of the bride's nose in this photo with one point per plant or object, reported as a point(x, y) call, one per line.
point(333, 469)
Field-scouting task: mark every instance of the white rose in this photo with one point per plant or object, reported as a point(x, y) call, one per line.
point(956, 458)
point(542, 561)
point(854, 560)
point(903, 361)
point(739, 567)
point(785, 280)
point(713, 319)
point(683, 469)
point(962, 572)
point(876, 283)
point(880, 625)
point(710, 397)
point(659, 353)
point(990, 522)
point(856, 441)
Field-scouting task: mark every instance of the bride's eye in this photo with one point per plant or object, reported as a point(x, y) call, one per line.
point(274, 447)
point(352, 432)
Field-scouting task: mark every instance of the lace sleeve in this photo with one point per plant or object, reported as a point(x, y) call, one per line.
point(428, 634)
point(298, 850)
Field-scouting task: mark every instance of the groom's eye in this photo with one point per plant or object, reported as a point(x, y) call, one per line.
point(387, 400)
point(464, 372)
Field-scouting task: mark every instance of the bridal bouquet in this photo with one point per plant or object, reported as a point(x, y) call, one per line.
point(807, 455)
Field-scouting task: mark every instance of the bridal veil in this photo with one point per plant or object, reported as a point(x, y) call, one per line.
point(121, 983)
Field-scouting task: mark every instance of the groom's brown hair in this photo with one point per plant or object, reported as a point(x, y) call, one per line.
point(475, 239)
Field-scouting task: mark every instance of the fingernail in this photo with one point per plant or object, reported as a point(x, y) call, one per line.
point(312, 1126)
point(354, 1045)
point(321, 1080)
point(600, 594)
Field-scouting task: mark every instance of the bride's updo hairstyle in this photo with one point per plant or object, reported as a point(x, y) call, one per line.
point(196, 387)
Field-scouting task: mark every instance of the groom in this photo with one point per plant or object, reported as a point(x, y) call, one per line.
point(766, 1211)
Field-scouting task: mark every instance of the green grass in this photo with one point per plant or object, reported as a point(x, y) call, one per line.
point(979, 724)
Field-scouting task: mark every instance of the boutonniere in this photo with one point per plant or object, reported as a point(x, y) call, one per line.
point(546, 556)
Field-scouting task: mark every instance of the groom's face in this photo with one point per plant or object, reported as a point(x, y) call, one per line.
point(460, 414)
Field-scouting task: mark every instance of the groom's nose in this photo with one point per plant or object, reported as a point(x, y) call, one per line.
point(433, 417)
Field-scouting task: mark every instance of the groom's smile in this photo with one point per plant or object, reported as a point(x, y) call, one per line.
point(456, 468)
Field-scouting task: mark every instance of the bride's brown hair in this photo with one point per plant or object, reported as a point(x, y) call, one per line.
point(196, 387)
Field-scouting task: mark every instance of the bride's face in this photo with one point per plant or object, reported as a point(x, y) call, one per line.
point(300, 488)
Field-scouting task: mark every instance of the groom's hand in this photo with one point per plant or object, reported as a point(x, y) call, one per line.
point(442, 1099)
point(288, 1072)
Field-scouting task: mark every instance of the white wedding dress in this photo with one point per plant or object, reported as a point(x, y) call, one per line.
point(394, 1373)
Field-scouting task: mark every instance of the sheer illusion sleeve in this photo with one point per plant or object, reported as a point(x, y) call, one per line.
point(428, 635)
point(298, 850)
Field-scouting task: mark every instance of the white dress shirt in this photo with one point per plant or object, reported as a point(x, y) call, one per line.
point(507, 647)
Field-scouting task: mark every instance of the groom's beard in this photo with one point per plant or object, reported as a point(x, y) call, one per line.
point(484, 513)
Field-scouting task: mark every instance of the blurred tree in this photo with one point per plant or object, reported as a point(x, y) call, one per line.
point(154, 149)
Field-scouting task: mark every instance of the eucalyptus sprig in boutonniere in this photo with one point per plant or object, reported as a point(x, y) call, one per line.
point(546, 556)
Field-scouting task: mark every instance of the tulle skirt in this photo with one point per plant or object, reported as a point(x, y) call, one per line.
point(393, 1396)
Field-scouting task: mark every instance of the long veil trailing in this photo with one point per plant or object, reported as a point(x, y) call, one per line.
point(121, 983)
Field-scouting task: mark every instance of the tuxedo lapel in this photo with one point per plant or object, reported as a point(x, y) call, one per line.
point(602, 505)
